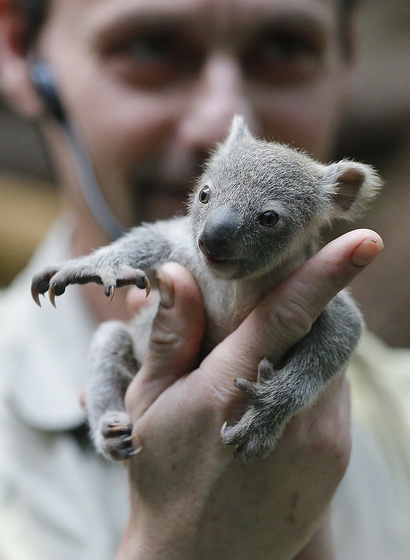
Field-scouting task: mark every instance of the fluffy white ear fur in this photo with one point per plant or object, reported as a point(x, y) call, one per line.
point(238, 131)
point(351, 186)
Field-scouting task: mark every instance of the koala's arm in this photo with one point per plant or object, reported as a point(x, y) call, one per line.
point(112, 366)
point(330, 342)
point(280, 392)
point(121, 263)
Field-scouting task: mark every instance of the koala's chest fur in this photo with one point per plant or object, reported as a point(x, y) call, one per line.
point(227, 302)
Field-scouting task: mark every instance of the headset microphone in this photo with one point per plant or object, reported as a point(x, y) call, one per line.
point(42, 77)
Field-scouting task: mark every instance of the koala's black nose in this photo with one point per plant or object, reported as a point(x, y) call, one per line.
point(218, 235)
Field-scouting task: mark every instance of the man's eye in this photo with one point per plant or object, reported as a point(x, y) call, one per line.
point(284, 48)
point(153, 49)
point(282, 57)
point(155, 59)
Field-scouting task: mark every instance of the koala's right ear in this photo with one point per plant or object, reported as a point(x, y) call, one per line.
point(351, 187)
point(237, 133)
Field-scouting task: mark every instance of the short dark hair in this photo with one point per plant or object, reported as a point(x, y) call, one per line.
point(36, 11)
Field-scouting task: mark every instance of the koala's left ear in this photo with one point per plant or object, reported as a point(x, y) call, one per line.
point(237, 133)
point(351, 187)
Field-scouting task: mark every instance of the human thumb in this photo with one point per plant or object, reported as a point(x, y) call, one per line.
point(175, 338)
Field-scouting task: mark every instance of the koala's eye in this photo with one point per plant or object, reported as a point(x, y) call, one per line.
point(269, 218)
point(204, 195)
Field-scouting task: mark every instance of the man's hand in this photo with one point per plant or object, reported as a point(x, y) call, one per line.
point(190, 499)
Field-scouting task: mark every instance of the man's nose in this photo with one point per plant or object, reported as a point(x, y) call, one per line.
point(216, 96)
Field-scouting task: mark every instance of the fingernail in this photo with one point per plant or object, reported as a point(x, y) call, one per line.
point(366, 252)
point(166, 291)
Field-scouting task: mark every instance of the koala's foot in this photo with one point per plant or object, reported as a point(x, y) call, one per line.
point(113, 438)
point(257, 432)
point(85, 270)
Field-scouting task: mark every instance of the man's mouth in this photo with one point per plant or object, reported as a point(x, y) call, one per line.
point(161, 185)
point(158, 201)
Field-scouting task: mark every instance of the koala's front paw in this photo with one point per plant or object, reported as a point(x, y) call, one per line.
point(113, 437)
point(84, 270)
point(257, 432)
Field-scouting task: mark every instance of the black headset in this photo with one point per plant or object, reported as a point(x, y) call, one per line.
point(42, 77)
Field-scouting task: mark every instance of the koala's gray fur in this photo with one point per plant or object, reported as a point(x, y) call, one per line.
point(254, 216)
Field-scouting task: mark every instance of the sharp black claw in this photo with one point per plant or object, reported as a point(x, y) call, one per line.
point(52, 295)
point(35, 295)
point(224, 430)
point(125, 453)
point(135, 451)
point(147, 286)
point(144, 284)
point(110, 292)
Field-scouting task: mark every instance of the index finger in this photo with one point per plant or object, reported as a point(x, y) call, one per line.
point(288, 313)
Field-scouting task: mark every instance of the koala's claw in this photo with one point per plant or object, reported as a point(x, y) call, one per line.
point(250, 438)
point(256, 433)
point(56, 280)
point(35, 295)
point(52, 295)
point(116, 441)
point(41, 283)
point(146, 285)
point(116, 429)
point(109, 291)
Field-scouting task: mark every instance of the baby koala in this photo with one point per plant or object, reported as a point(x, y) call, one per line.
point(254, 217)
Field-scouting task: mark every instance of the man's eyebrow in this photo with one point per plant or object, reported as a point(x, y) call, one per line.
point(160, 16)
point(291, 18)
point(295, 22)
point(131, 20)
point(316, 16)
point(146, 15)
point(128, 22)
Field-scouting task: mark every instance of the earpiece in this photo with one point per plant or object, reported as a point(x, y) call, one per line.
point(43, 79)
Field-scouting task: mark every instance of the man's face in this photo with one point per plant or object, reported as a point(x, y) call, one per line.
point(152, 86)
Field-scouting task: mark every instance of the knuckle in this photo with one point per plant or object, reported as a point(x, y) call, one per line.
point(293, 318)
point(325, 427)
point(220, 370)
point(335, 449)
point(163, 337)
point(330, 448)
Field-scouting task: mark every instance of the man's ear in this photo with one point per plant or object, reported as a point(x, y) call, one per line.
point(16, 86)
point(351, 187)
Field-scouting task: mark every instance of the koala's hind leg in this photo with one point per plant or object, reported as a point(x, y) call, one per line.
point(273, 399)
point(278, 394)
point(112, 368)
